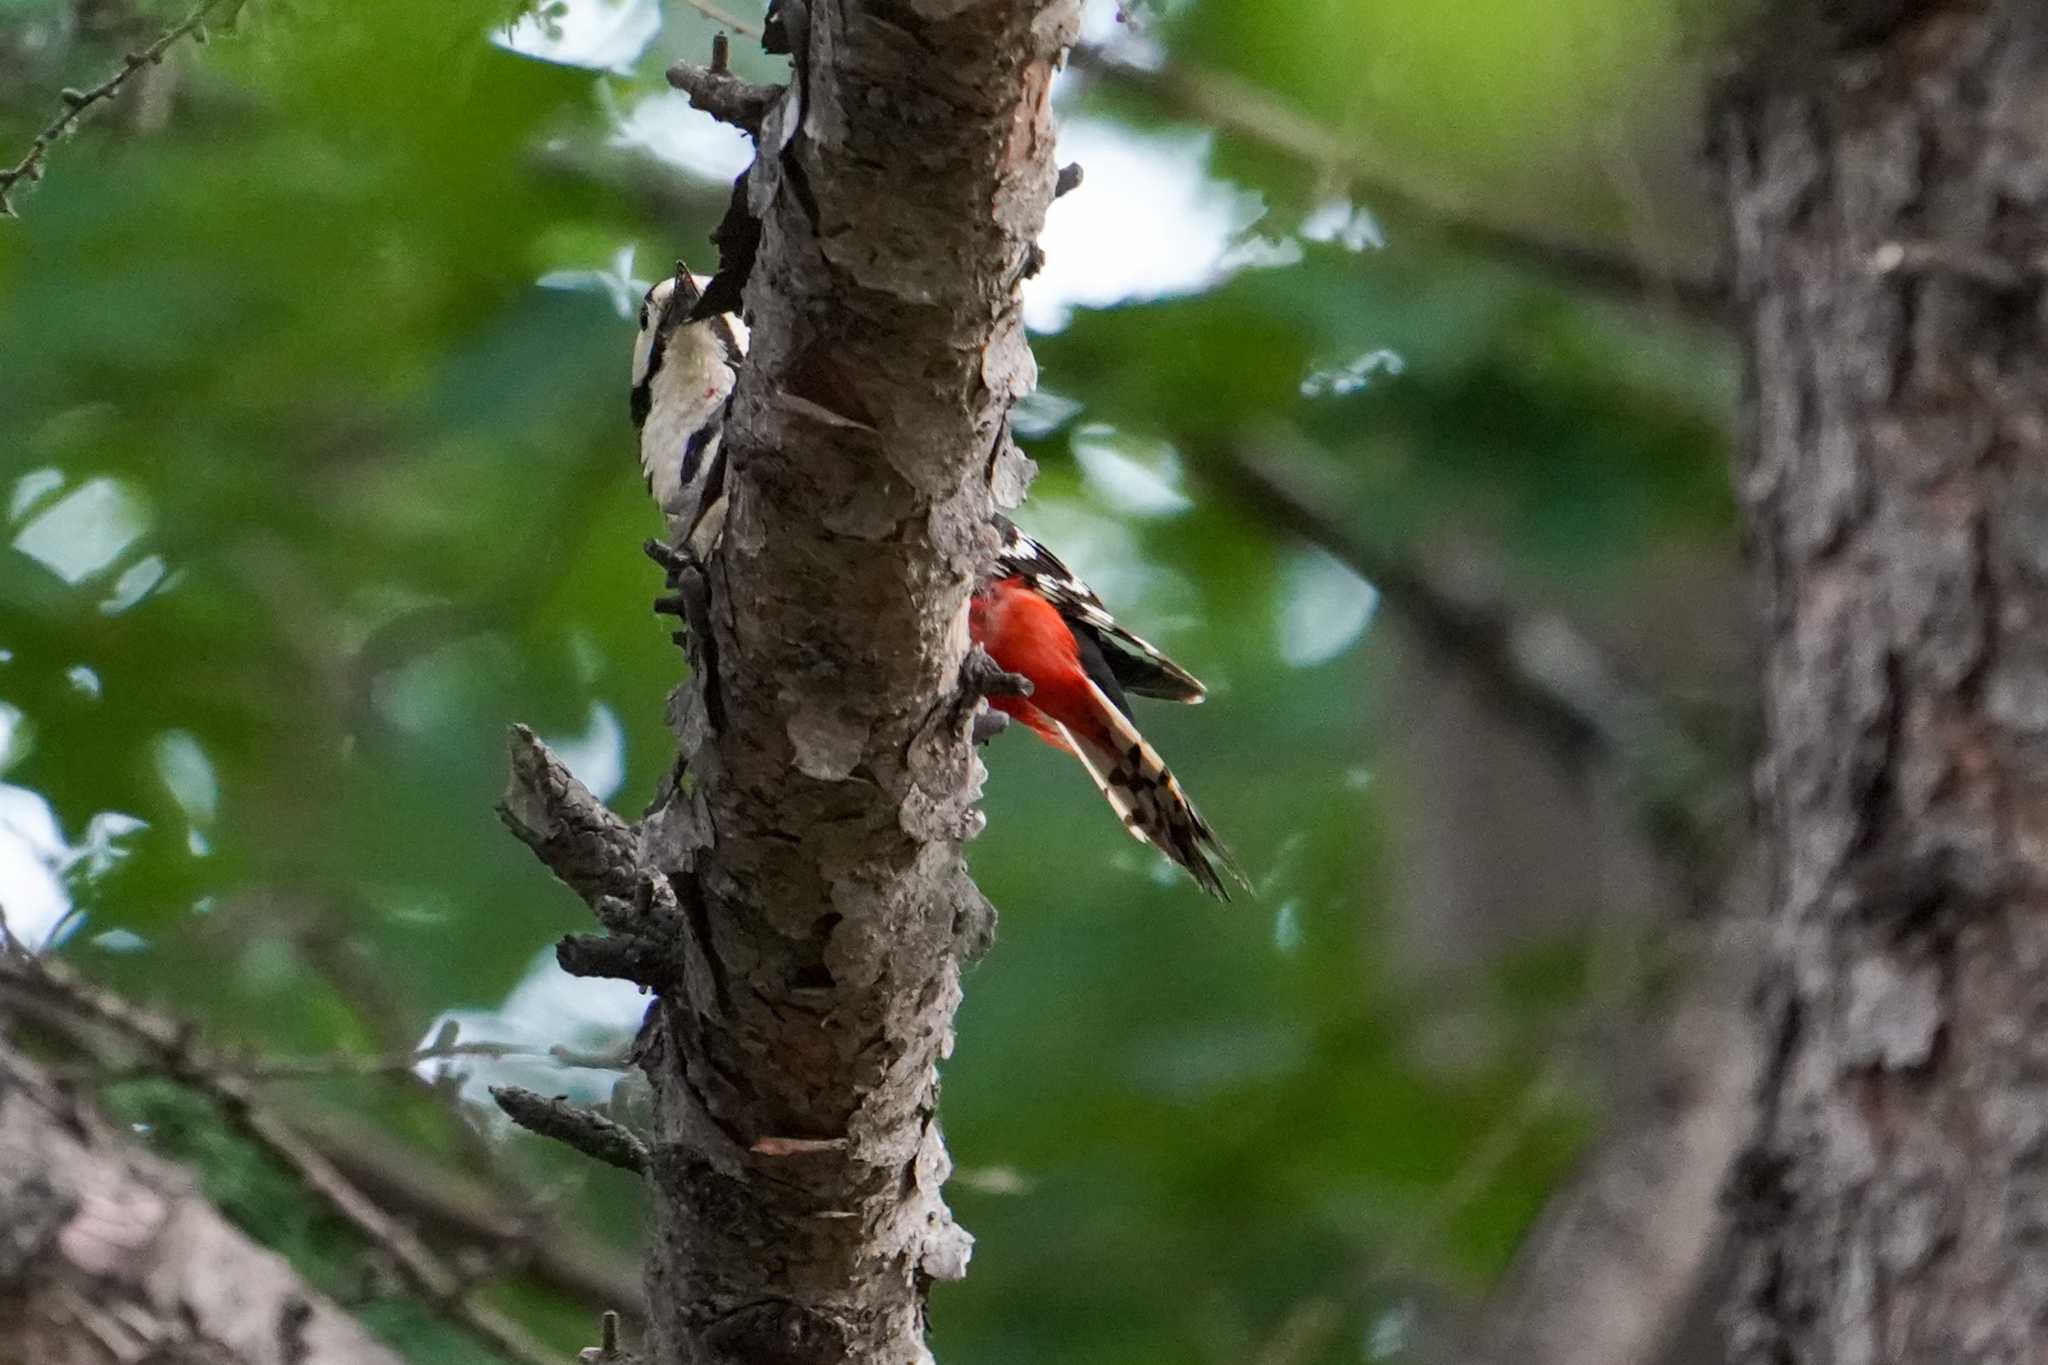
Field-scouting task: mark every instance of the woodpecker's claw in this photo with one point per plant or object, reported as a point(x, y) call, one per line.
point(981, 676)
point(668, 556)
point(987, 724)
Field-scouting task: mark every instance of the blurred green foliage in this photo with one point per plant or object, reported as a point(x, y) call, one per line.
point(313, 489)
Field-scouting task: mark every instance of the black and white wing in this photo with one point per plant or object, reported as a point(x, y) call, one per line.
point(1136, 664)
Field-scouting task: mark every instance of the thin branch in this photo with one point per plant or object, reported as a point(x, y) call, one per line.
point(1538, 1100)
point(1229, 102)
point(582, 842)
point(624, 957)
point(262, 1070)
point(587, 1131)
point(172, 1045)
point(489, 1211)
point(724, 96)
point(719, 16)
point(111, 1254)
point(77, 102)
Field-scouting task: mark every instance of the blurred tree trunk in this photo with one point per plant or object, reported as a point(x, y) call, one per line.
point(798, 898)
point(108, 1255)
point(1886, 168)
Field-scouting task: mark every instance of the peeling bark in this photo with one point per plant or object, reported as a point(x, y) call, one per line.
point(1887, 176)
point(802, 905)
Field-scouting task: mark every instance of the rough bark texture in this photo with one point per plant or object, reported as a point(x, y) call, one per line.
point(1887, 172)
point(799, 899)
point(109, 1256)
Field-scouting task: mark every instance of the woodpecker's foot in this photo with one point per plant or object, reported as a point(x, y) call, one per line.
point(1028, 268)
point(687, 599)
point(671, 558)
point(981, 676)
point(987, 724)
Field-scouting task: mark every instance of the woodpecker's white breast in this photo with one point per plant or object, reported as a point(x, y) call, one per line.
point(682, 378)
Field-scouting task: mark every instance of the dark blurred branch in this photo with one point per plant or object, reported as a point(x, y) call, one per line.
point(77, 102)
point(1233, 104)
point(265, 1070)
point(465, 1208)
point(1540, 667)
point(172, 1045)
point(411, 634)
point(639, 179)
point(520, 580)
point(482, 1202)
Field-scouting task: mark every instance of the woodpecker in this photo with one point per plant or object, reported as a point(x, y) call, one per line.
point(1037, 619)
point(683, 376)
point(1031, 613)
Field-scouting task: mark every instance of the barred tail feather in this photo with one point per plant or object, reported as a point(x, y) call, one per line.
point(1150, 801)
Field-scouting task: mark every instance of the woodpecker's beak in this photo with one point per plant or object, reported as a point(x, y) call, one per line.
point(687, 293)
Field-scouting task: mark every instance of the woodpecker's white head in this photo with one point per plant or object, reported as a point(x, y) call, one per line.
point(683, 376)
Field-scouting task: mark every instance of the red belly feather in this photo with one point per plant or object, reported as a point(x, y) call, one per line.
point(1026, 634)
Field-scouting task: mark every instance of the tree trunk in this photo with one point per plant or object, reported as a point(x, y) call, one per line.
point(1887, 187)
point(802, 906)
